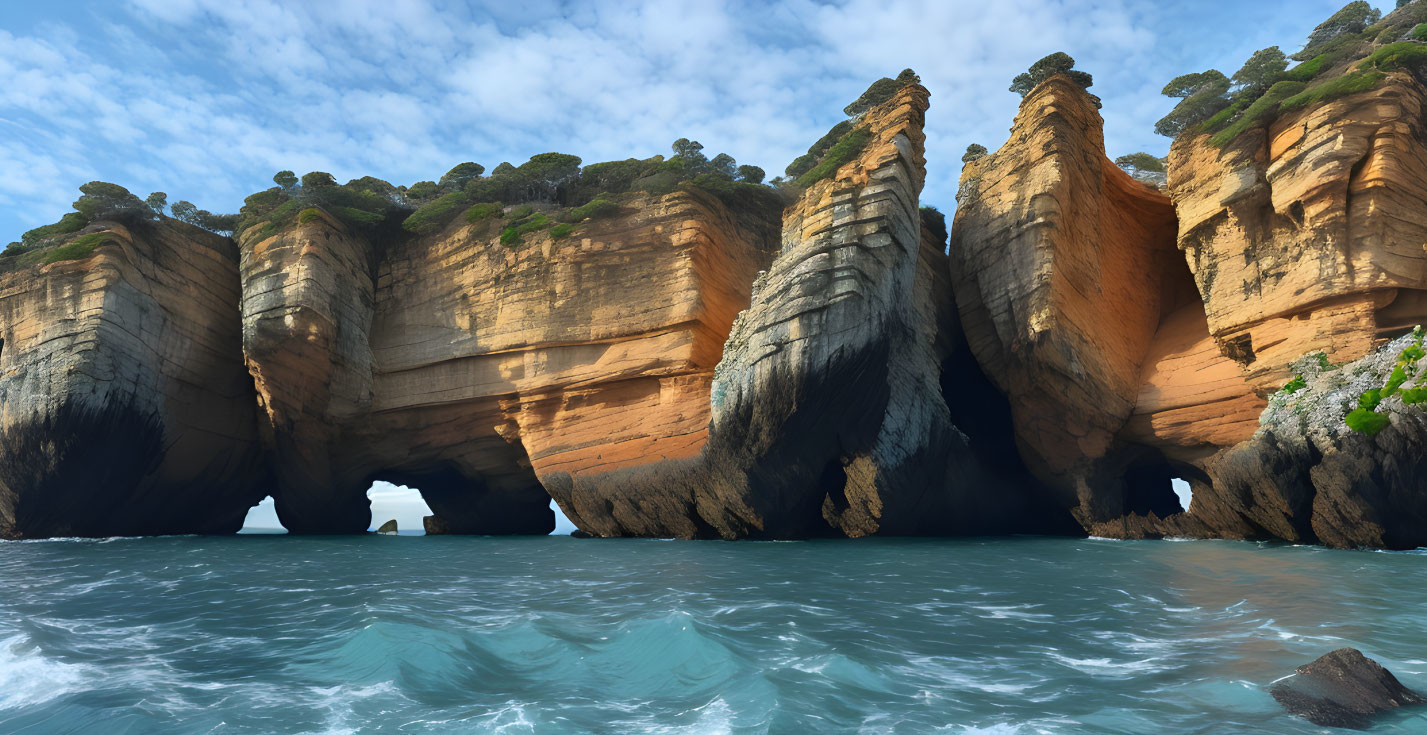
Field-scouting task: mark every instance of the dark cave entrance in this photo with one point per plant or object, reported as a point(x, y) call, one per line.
point(450, 501)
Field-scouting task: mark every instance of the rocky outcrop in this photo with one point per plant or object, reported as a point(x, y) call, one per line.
point(1342, 689)
point(1307, 477)
point(124, 406)
point(1306, 234)
point(827, 410)
point(473, 370)
point(1064, 268)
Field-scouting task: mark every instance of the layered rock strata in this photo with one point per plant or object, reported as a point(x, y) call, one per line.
point(827, 416)
point(124, 405)
point(1064, 268)
point(1307, 234)
point(472, 370)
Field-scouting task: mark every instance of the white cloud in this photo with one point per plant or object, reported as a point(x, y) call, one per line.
point(205, 99)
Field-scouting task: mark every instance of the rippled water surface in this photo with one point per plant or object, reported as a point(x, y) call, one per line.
point(271, 634)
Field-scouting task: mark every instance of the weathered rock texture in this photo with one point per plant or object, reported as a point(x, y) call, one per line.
point(124, 405)
point(1064, 268)
point(827, 408)
point(1343, 689)
point(1306, 477)
point(1308, 234)
point(472, 370)
point(1125, 368)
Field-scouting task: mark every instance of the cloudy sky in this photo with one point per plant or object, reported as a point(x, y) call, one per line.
point(206, 99)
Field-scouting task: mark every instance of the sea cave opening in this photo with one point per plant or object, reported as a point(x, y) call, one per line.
point(400, 503)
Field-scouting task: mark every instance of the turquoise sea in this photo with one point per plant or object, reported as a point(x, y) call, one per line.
point(275, 634)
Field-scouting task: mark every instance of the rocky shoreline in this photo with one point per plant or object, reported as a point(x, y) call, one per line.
point(698, 365)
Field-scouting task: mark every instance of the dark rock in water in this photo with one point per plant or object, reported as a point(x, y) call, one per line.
point(1342, 689)
point(388, 528)
point(577, 533)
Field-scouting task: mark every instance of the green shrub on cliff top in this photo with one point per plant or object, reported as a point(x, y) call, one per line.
point(1340, 87)
point(1056, 63)
point(1401, 56)
point(517, 231)
point(308, 215)
point(1262, 108)
point(844, 151)
point(80, 248)
point(597, 208)
point(433, 216)
point(483, 211)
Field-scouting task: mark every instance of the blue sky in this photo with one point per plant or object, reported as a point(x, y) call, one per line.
point(206, 99)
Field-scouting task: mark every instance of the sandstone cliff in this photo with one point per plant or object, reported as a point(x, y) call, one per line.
point(473, 370)
point(1064, 268)
point(1308, 234)
point(827, 408)
point(124, 407)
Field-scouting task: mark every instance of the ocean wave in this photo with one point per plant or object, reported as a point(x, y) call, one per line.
point(28, 678)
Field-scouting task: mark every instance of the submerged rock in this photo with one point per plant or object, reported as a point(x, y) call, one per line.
point(1342, 689)
point(388, 528)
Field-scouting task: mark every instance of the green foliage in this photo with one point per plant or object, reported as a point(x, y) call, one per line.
point(595, 209)
point(935, 221)
point(1354, 18)
point(561, 230)
point(101, 199)
point(317, 180)
point(460, 174)
point(78, 249)
point(285, 179)
point(185, 211)
point(974, 152)
point(1056, 63)
point(1343, 86)
point(882, 90)
point(68, 224)
point(1367, 422)
point(483, 211)
point(1419, 33)
point(1260, 72)
point(157, 201)
point(1401, 56)
point(354, 217)
point(310, 214)
point(1142, 162)
point(513, 234)
point(1264, 107)
point(841, 153)
point(433, 216)
point(1203, 95)
point(423, 190)
point(805, 163)
point(1308, 70)
point(1365, 418)
point(1295, 385)
point(751, 174)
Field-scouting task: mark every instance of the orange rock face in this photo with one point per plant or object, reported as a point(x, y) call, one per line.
point(473, 370)
point(1063, 267)
point(124, 408)
point(1308, 235)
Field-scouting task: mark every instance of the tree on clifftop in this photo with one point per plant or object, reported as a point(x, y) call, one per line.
point(973, 152)
point(1057, 63)
point(1355, 17)
point(1260, 72)
point(1203, 95)
point(1141, 162)
point(881, 90)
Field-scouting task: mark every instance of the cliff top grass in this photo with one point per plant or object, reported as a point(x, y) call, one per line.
point(1350, 53)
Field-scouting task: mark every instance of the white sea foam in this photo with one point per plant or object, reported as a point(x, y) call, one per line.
point(28, 678)
point(1106, 667)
